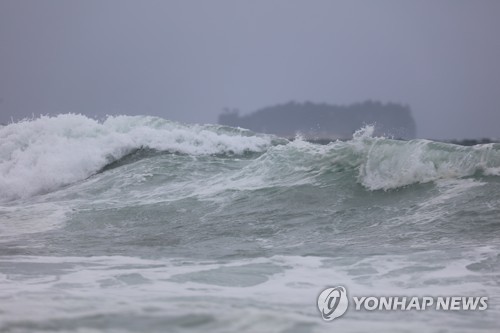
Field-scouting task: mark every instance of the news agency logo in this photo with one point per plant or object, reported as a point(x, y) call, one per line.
point(333, 303)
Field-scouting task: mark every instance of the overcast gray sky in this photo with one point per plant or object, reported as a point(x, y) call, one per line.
point(185, 60)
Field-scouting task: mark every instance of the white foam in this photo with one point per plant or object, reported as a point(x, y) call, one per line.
point(33, 218)
point(389, 164)
point(43, 154)
point(77, 287)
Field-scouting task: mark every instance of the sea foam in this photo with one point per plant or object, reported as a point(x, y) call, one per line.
point(43, 154)
point(46, 153)
point(388, 164)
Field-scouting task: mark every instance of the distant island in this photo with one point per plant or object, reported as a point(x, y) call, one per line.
point(324, 121)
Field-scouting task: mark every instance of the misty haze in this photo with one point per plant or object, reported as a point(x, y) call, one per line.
point(323, 121)
point(186, 61)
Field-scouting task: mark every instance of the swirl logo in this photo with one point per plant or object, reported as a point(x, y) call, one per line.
point(332, 303)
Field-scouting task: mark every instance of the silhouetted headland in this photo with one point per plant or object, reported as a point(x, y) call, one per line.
point(324, 121)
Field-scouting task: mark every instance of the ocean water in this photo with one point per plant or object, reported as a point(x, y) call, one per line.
point(140, 224)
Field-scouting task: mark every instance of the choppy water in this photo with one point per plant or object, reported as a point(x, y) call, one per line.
point(145, 225)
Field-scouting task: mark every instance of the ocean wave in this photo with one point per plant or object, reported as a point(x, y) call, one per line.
point(377, 163)
point(44, 154)
point(388, 164)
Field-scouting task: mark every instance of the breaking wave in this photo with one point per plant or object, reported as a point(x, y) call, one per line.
point(46, 153)
point(43, 154)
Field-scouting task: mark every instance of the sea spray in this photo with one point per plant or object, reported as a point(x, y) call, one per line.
point(43, 154)
point(146, 224)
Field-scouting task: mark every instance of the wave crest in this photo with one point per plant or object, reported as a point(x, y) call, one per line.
point(43, 154)
point(378, 163)
point(389, 164)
